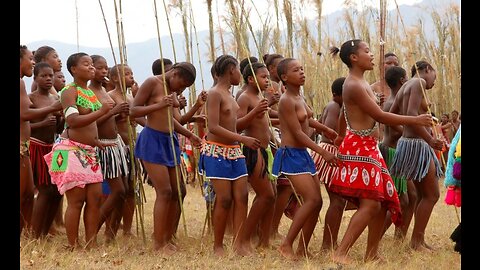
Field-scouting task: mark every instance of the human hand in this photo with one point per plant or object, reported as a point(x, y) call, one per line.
point(332, 159)
point(250, 142)
point(202, 98)
point(261, 108)
point(182, 101)
point(424, 120)
point(195, 140)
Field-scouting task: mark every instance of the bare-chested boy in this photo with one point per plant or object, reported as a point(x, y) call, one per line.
point(41, 142)
point(415, 159)
point(252, 119)
point(154, 144)
point(221, 159)
point(113, 159)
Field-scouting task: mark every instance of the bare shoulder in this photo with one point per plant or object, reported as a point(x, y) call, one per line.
point(352, 85)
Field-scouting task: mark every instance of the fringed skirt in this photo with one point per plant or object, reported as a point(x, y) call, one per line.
point(113, 159)
point(412, 159)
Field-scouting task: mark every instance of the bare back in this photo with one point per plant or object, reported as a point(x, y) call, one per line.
point(330, 117)
point(390, 135)
point(358, 117)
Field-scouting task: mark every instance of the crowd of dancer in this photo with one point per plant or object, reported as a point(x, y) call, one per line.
point(377, 151)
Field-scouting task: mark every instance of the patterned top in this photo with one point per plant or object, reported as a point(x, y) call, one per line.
point(86, 98)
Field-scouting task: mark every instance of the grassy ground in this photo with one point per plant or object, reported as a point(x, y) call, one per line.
point(196, 252)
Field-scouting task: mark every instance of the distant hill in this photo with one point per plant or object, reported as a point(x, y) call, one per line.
point(141, 55)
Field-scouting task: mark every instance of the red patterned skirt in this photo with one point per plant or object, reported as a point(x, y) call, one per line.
point(363, 174)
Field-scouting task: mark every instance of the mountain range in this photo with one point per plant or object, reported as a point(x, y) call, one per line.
point(141, 55)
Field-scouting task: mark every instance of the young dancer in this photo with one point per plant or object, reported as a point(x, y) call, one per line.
point(292, 159)
point(363, 176)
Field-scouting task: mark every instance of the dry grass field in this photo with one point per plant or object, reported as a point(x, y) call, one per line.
point(196, 252)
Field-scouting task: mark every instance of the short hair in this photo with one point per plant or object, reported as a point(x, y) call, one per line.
point(38, 67)
point(73, 60)
point(96, 57)
point(390, 54)
point(186, 70)
point(421, 65)
point(283, 66)
point(337, 86)
point(247, 71)
point(41, 53)
point(157, 65)
point(393, 75)
point(349, 47)
point(270, 58)
point(245, 62)
point(223, 62)
point(23, 50)
point(116, 69)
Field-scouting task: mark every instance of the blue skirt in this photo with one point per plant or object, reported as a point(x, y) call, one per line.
point(155, 147)
point(293, 161)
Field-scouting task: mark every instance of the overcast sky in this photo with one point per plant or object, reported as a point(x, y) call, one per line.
point(57, 20)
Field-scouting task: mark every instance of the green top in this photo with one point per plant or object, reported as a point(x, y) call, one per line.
point(86, 98)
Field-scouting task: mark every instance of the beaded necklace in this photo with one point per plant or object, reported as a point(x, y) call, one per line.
point(86, 98)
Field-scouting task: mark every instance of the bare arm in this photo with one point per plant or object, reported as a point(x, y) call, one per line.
point(294, 127)
point(27, 113)
point(213, 118)
point(245, 117)
point(139, 108)
point(358, 96)
point(75, 120)
point(321, 128)
point(414, 103)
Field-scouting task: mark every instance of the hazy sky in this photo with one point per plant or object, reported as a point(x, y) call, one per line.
point(57, 20)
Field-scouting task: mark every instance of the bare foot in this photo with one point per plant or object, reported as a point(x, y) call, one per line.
point(287, 252)
point(301, 253)
point(428, 246)
point(53, 230)
point(421, 247)
point(219, 251)
point(243, 250)
point(341, 259)
point(166, 250)
point(128, 234)
point(376, 258)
